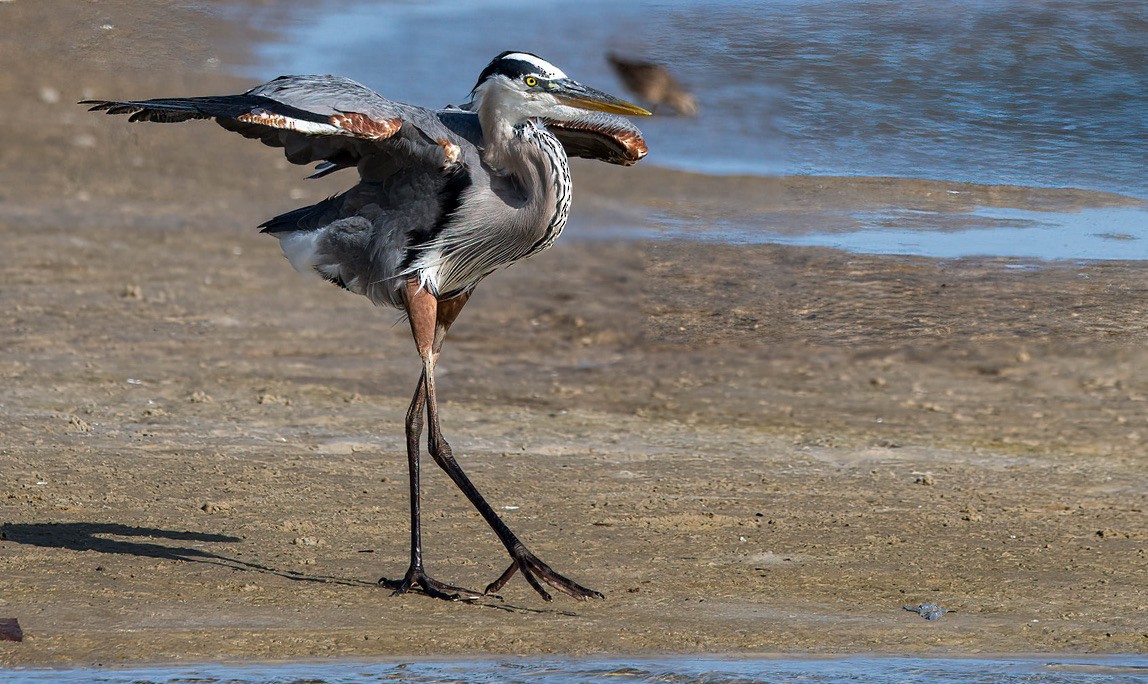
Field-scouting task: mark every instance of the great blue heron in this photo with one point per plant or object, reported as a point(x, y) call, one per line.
point(444, 198)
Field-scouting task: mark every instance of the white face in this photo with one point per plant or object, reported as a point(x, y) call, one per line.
point(535, 102)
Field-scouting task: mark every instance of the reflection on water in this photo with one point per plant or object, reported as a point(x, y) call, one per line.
point(1051, 670)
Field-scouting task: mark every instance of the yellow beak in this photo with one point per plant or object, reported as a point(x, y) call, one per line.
point(574, 94)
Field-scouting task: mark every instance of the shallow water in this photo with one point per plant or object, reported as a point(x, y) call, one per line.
point(1047, 93)
point(1048, 670)
point(1110, 233)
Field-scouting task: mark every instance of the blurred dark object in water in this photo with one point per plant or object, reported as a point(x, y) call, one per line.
point(654, 84)
point(929, 611)
point(10, 630)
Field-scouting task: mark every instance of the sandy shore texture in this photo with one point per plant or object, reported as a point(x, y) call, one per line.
point(747, 448)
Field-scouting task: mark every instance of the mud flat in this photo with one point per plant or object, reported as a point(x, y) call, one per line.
point(747, 448)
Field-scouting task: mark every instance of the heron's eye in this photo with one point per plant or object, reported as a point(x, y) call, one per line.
point(530, 81)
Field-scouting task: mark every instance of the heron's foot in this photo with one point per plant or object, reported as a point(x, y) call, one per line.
point(416, 577)
point(536, 573)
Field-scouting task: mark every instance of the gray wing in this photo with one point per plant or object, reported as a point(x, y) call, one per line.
point(591, 135)
point(313, 118)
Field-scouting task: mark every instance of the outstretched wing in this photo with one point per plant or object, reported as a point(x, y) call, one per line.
point(313, 118)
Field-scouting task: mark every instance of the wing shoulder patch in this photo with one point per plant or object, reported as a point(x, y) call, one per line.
point(363, 126)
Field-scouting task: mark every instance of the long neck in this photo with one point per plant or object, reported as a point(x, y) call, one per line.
point(520, 212)
point(497, 118)
point(529, 154)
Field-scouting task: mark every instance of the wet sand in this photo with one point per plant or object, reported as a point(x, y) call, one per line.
point(747, 448)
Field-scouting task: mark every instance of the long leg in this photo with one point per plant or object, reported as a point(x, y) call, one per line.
point(416, 575)
point(533, 569)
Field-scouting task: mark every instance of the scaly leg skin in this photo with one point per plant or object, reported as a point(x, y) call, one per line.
point(430, 320)
point(416, 575)
point(533, 569)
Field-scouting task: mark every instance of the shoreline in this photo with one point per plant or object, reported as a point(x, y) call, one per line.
point(823, 665)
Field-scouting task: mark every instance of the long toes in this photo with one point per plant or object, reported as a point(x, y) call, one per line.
point(430, 587)
point(497, 584)
point(534, 570)
point(397, 586)
point(528, 573)
point(404, 586)
point(571, 587)
point(443, 592)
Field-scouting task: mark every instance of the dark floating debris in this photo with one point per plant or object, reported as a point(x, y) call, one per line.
point(654, 84)
point(10, 630)
point(929, 611)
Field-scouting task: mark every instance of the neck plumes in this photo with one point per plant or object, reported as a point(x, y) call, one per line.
point(517, 212)
point(518, 148)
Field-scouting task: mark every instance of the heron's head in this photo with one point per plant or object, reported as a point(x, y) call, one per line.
point(521, 85)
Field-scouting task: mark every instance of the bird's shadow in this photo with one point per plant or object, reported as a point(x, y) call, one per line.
point(145, 542)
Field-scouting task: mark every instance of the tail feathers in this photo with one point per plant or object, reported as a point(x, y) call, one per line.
point(309, 218)
point(326, 168)
point(334, 160)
